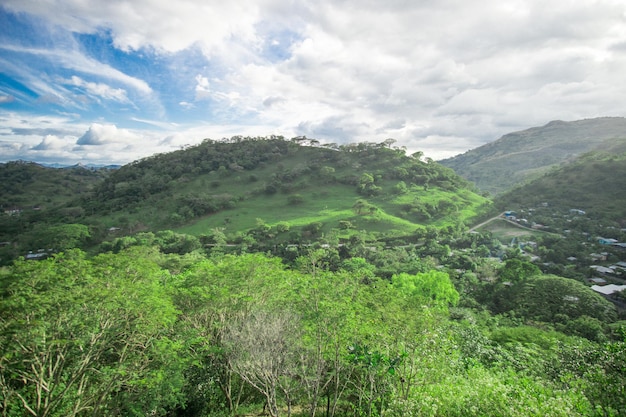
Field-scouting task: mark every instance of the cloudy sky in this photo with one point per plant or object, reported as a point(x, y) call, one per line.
point(113, 81)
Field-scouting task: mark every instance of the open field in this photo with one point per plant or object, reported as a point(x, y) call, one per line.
point(504, 231)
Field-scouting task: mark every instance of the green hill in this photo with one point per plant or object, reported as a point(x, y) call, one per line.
point(292, 190)
point(520, 156)
point(593, 183)
point(25, 185)
point(240, 183)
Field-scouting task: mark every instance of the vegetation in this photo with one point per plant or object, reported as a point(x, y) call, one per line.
point(305, 191)
point(592, 184)
point(280, 277)
point(141, 332)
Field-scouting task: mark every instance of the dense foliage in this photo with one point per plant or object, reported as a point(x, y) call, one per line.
point(593, 184)
point(142, 332)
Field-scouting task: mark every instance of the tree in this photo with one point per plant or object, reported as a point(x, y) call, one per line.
point(550, 298)
point(282, 227)
point(264, 349)
point(215, 297)
point(60, 237)
point(517, 270)
point(388, 142)
point(432, 288)
point(327, 174)
point(400, 188)
point(366, 185)
point(97, 336)
point(295, 199)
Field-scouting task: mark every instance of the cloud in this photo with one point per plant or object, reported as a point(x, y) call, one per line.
point(50, 142)
point(75, 60)
point(168, 26)
point(41, 131)
point(338, 129)
point(273, 100)
point(33, 126)
point(100, 90)
point(6, 98)
point(449, 73)
point(203, 88)
point(104, 134)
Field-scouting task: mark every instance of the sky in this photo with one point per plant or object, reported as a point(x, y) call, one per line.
point(92, 81)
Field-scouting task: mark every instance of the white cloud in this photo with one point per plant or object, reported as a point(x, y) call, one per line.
point(100, 90)
point(50, 142)
point(103, 134)
point(450, 73)
point(6, 98)
point(203, 88)
point(168, 26)
point(75, 60)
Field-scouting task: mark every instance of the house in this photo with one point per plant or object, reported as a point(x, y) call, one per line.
point(607, 290)
point(577, 211)
point(602, 269)
point(529, 243)
point(607, 241)
point(599, 256)
point(621, 265)
point(35, 256)
point(597, 281)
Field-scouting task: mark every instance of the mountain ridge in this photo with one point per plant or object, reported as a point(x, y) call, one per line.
point(519, 156)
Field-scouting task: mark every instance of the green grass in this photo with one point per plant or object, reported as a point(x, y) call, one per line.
point(330, 204)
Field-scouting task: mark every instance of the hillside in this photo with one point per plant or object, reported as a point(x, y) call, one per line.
point(517, 157)
point(593, 183)
point(237, 184)
point(27, 184)
point(270, 188)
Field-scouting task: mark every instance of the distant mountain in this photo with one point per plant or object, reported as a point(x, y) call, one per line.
point(80, 165)
point(28, 184)
point(517, 157)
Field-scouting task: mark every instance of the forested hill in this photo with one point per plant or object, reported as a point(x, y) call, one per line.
point(234, 183)
point(593, 183)
point(517, 157)
point(273, 188)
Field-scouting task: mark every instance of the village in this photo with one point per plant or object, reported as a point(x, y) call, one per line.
point(583, 246)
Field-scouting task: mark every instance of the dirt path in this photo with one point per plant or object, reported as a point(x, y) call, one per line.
point(499, 216)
